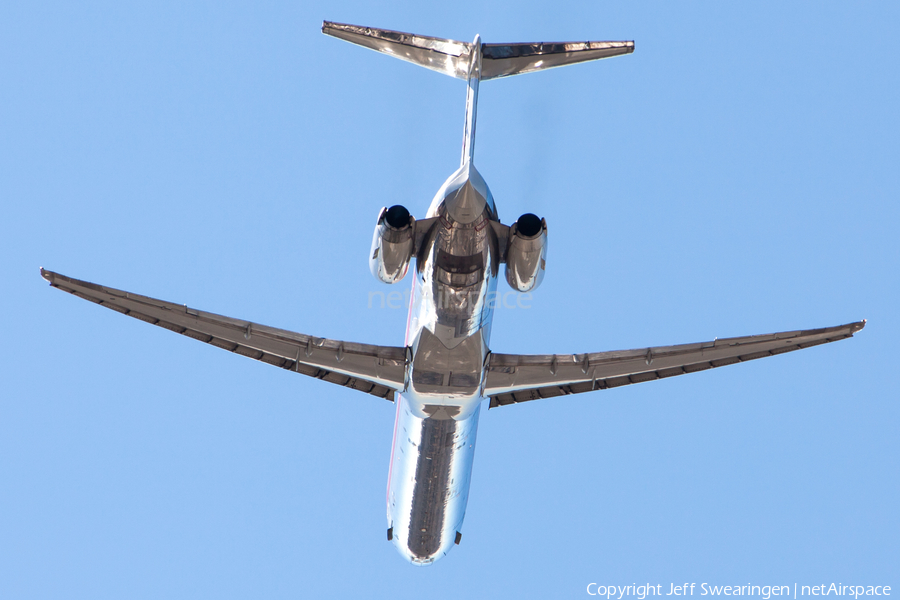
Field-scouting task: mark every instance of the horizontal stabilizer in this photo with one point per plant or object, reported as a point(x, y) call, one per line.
point(503, 60)
point(444, 56)
point(376, 370)
point(453, 58)
point(513, 378)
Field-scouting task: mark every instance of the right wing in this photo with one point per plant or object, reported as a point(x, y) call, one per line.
point(515, 378)
point(376, 370)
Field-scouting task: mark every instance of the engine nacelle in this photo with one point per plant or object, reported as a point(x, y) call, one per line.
point(526, 253)
point(393, 244)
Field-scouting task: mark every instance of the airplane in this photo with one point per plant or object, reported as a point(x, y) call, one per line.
point(443, 374)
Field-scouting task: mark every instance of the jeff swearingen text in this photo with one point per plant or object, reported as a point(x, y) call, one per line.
point(642, 591)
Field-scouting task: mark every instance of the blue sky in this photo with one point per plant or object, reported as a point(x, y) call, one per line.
point(737, 174)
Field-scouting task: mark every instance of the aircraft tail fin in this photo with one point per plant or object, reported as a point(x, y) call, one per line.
point(454, 58)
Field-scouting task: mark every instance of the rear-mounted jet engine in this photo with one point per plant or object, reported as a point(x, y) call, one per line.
point(392, 244)
point(526, 255)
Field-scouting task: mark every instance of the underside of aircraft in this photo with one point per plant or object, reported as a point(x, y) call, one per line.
point(445, 372)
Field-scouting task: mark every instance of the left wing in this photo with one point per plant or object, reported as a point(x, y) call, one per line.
point(376, 370)
point(512, 378)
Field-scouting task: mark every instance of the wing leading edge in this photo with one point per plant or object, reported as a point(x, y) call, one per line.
point(376, 370)
point(513, 378)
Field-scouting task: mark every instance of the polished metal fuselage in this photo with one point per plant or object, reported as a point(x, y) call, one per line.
point(448, 331)
point(458, 250)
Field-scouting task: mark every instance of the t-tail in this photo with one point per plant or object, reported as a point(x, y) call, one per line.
point(474, 61)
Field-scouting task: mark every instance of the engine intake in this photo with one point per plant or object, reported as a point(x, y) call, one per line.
point(392, 244)
point(526, 253)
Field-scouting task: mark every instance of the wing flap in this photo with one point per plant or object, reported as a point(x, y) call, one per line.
point(513, 378)
point(376, 370)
